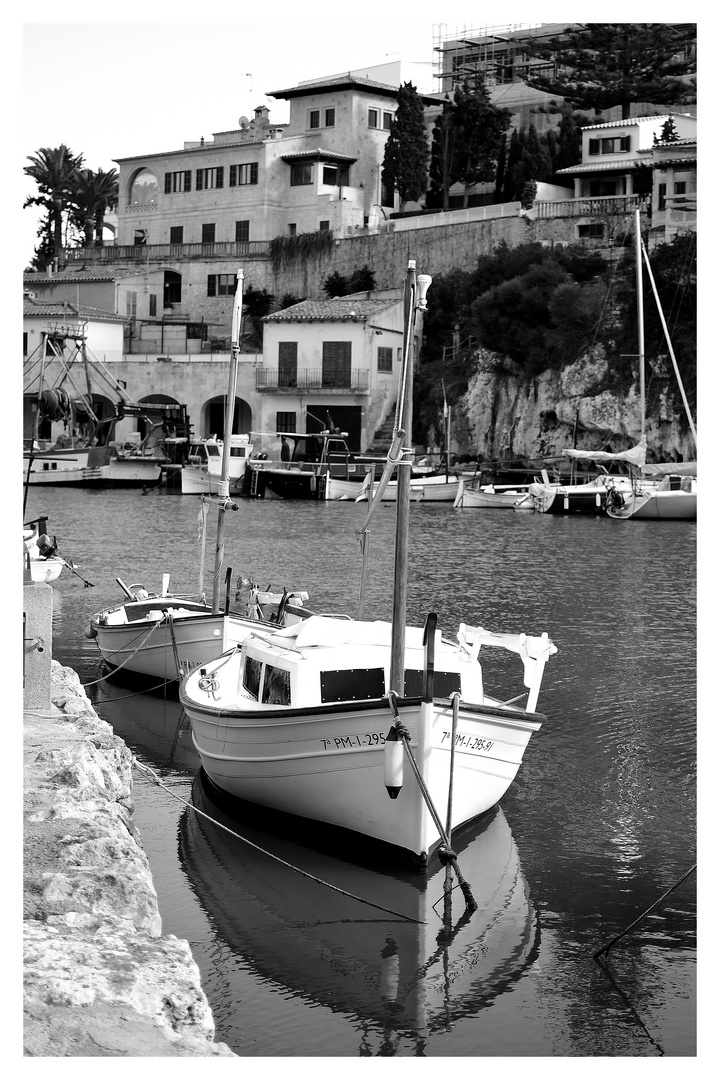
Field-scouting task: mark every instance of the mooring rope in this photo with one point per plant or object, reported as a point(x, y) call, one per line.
point(156, 779)
point(606, 948)
point(120, 666)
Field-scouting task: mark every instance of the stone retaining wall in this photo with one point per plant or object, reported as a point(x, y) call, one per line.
point(100, 978)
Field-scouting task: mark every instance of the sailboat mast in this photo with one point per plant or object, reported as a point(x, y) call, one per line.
point(402, 521)
point(640, 320)
point(414, 300)
point(224, 485)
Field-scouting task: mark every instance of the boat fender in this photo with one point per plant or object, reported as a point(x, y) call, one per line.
point(90, 631)
point(393, 763)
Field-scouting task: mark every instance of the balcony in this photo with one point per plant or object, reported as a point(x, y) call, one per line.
point(590, 206)
point(143, 253)
point(311, 381)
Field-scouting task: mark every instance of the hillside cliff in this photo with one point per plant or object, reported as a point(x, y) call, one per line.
point(506, 414)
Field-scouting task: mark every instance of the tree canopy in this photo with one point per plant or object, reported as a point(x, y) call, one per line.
point(54, 171)
point(467, 138)
point(603, 65)
point(405, 163)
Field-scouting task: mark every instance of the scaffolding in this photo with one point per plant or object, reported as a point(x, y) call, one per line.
point(491, 55)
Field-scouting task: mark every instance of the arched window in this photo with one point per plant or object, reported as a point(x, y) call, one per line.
point(144, 188)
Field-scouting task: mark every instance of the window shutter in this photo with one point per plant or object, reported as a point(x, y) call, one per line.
point(211, 285)
point(168, 183)
point(233, 176)
point(594, 146)
point(219, 176)
point(625, 143)
point(188, 180)
point(198, 179)
point(254, 173)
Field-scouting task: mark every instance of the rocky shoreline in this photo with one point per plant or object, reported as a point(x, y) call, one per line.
point(100, 979)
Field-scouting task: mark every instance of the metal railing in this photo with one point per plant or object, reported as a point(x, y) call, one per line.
point(253, 249)
point(312, 379)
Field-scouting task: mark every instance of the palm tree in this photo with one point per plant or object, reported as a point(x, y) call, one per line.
point(94, 193)
point(54, 172)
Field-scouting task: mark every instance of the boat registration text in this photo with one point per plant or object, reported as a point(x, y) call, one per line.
point(348, 742)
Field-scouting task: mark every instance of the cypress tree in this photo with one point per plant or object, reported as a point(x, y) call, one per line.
point(405, 164)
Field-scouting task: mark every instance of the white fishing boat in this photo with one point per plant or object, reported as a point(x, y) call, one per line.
point(316, 718)
point(163, 635)
point(307, 462)
point(202, 473)
point(314, 921)
point(470, 494)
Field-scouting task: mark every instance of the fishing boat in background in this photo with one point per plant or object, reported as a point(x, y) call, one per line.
point(472, 494)
point(441, 487)
point(316, 718)
point(202, 472)
point(285, 901)
point(89, 454)
point(164, 635)
point(305, 462)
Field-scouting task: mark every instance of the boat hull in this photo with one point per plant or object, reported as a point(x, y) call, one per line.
point(432, 489)
point(327, 763)
point(198, 481)
point(155, 648)
point(657, 506)
point(90, 468)
point(46, 570)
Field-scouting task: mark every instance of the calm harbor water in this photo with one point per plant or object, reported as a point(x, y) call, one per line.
point(599, 823)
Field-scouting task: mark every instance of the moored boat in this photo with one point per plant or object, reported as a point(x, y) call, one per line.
point(298, 720)
point(202, 472)
point(317, 718)
point(470, 494)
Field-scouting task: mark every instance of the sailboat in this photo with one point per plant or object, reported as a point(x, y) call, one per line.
point(164, 635)
point(369, 725)
point(668, 490)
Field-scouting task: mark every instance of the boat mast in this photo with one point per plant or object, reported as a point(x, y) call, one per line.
point(416, 287)
point(223, 494)
point(640, 319)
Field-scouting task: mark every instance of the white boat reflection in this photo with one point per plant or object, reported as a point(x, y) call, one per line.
point(410, 978)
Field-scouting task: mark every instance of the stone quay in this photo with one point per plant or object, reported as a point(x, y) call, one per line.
point(100, 978)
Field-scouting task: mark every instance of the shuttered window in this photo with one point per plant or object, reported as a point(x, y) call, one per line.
point(336, 363)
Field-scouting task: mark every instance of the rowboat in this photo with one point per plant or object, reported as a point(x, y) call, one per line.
point(318, 718)
point(489, 496)
point(313, 919)
point(39, 555)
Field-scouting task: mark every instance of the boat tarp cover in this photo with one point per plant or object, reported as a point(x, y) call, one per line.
point(671, 468)
point(634, 456)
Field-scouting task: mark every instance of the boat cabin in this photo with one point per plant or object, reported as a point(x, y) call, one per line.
point(326, 661)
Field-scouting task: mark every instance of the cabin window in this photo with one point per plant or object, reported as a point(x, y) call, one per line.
point(237, 451)
point(251, 676)
point(276, 688)
point(357, 684)
point(213, 450)
point(445, 683)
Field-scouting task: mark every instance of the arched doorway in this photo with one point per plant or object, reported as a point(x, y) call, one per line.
point(214, 417)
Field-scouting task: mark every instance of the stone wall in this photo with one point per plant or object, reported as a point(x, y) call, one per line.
point(100, 979)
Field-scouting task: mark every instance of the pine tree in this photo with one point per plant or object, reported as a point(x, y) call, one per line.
point(603, 65)
point(405, 164)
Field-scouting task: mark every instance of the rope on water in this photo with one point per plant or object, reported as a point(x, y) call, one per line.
point(606, 948)
point(156, 779)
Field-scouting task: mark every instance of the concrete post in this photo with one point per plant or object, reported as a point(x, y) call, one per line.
point(37, 645)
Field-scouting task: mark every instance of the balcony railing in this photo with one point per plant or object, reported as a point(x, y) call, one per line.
point(311, 380)
point(253, 249)
point(596, 206)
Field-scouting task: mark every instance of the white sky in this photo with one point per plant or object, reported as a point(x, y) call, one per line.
point(110, 88)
